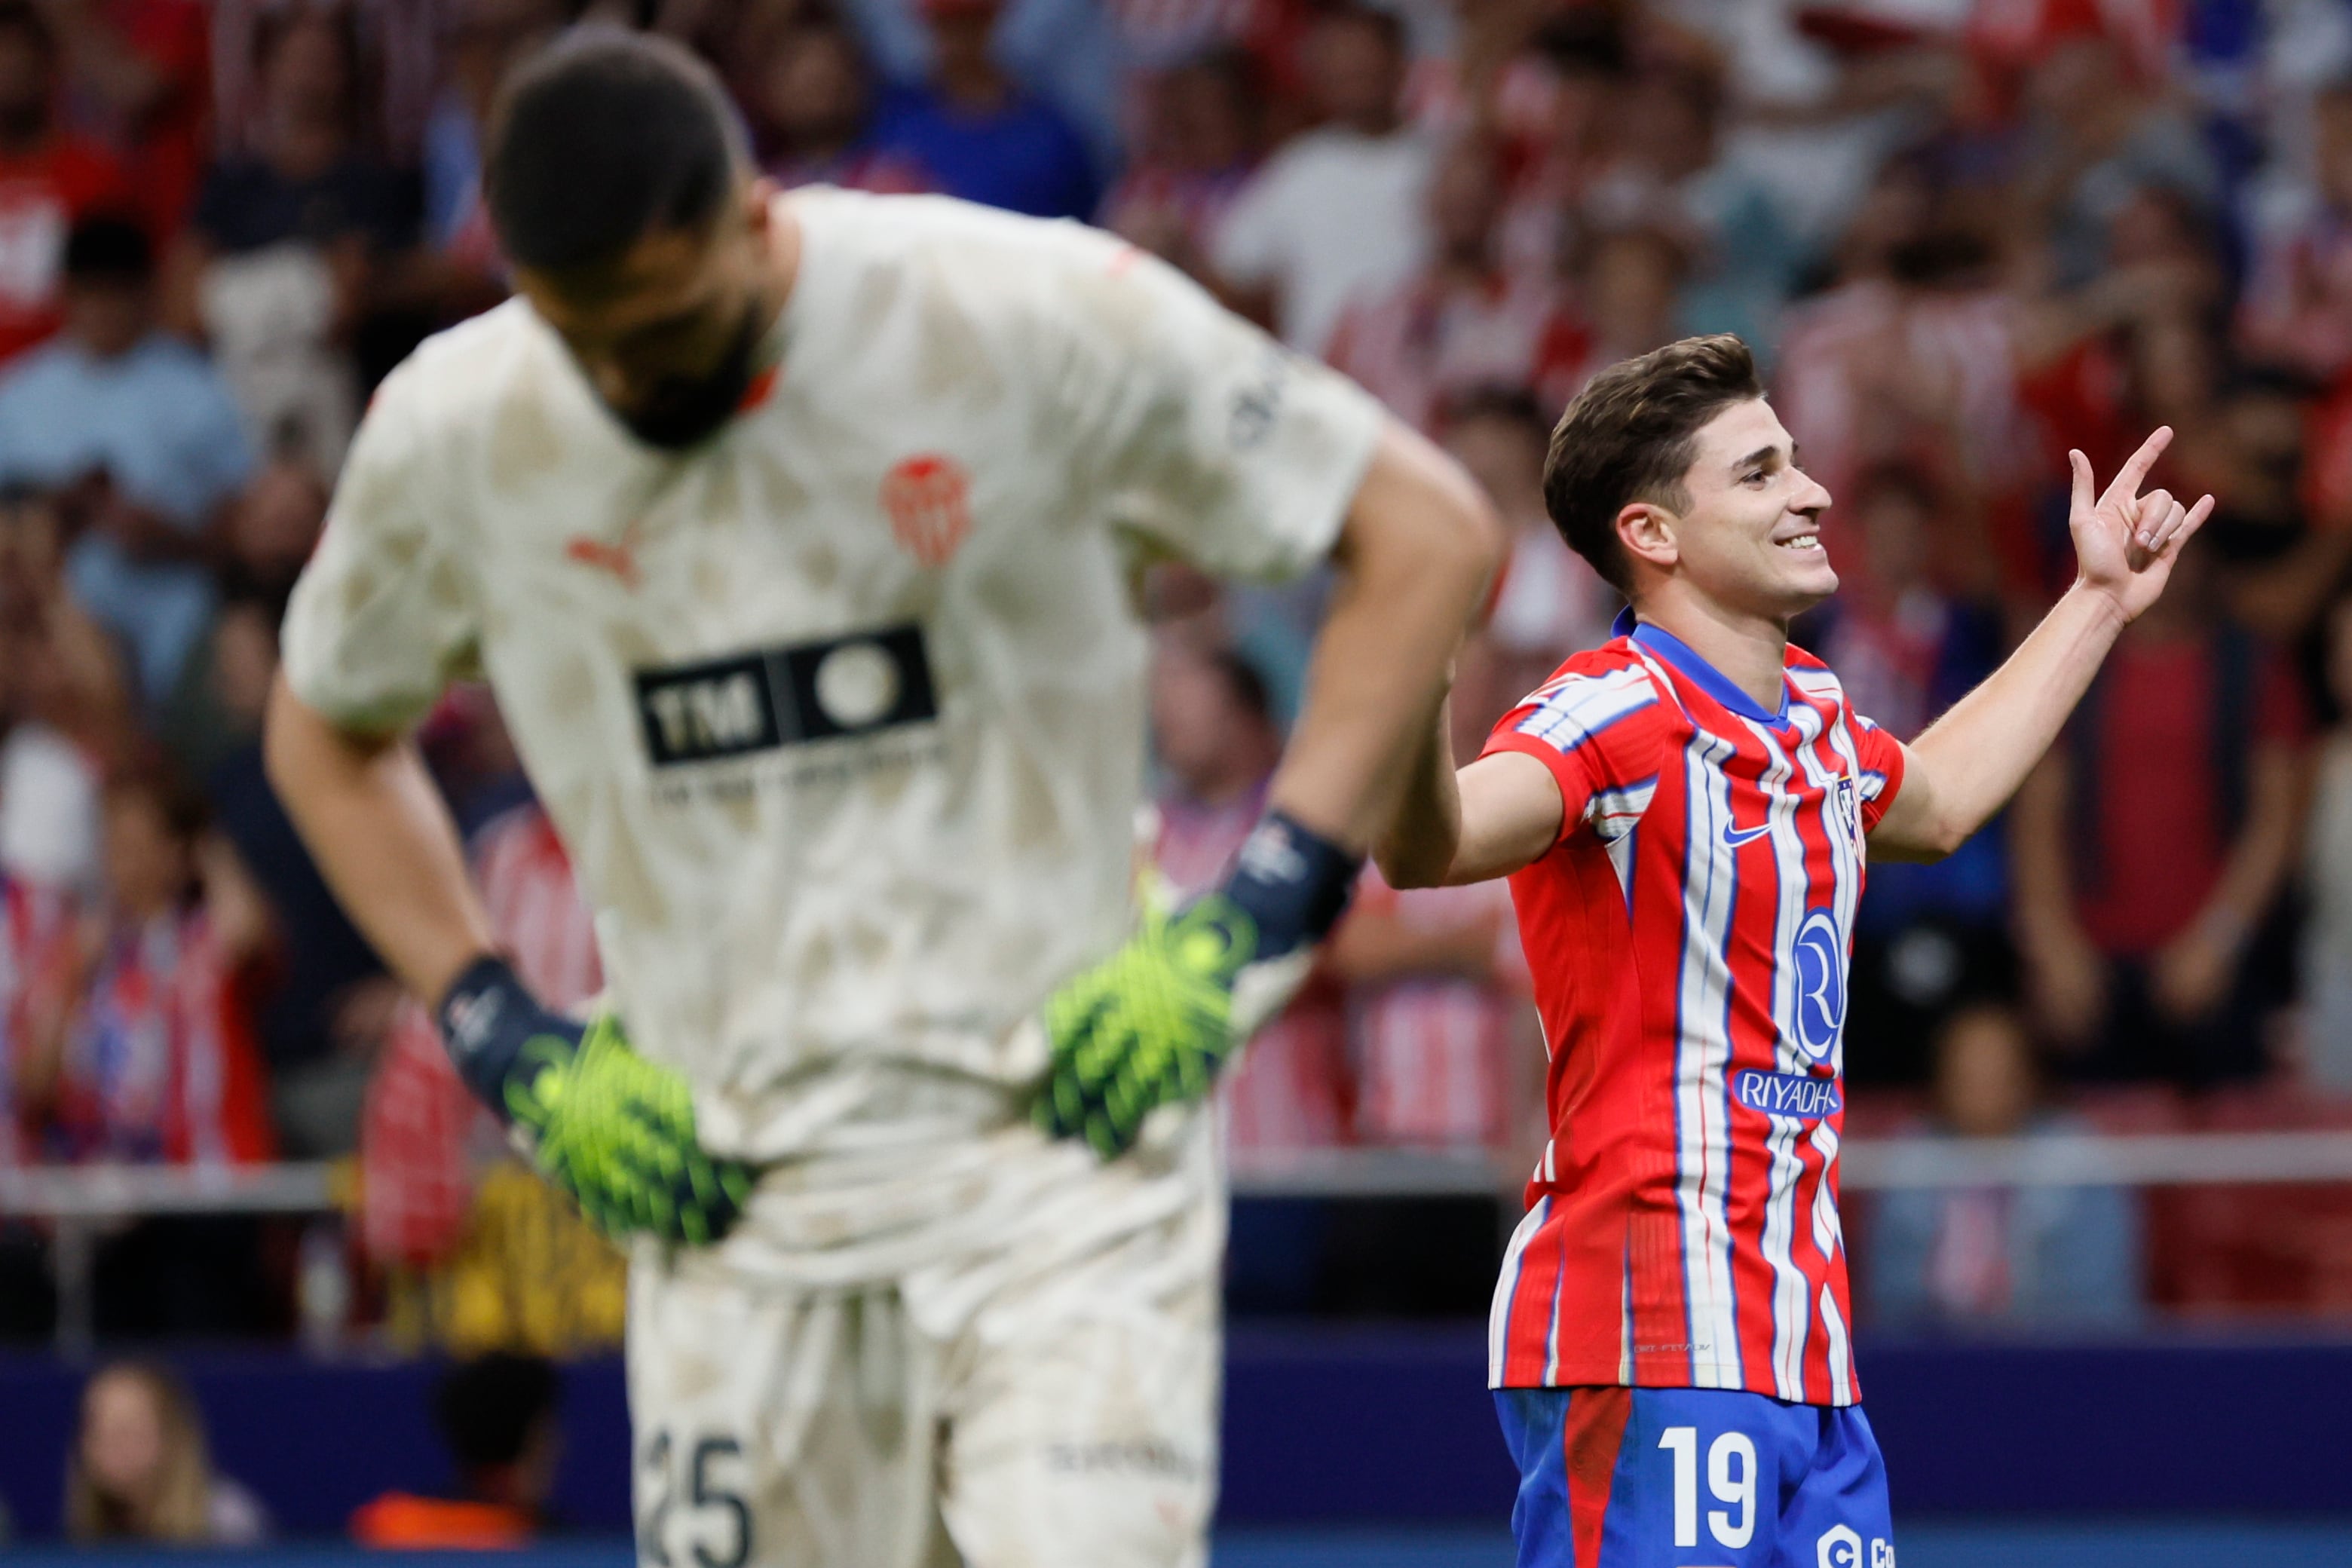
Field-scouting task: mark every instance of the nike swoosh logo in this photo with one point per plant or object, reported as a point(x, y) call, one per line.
point(1735, 837)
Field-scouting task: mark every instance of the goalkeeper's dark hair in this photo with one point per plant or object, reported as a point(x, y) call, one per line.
point(602, 138)
point(1629, 436)
point(488, 1407)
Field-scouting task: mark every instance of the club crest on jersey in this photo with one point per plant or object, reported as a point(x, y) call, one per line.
point(928, 500)
point(1819, 957)
point(1847, 799)
point(772, 698)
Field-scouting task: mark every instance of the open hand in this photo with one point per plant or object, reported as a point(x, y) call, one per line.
point(2125, 542)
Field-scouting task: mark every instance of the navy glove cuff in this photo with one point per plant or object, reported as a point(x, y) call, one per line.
point(487, 1017)
point(1292, 882)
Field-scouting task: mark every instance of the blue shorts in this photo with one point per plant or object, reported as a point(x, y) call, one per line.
point(1692, 1477)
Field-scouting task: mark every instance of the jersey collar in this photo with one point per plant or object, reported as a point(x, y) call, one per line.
point(1705, 676)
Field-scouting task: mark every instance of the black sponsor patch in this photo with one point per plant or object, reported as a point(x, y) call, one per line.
point(759, 701)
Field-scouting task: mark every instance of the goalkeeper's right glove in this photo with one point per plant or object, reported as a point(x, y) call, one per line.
point(604, 1124)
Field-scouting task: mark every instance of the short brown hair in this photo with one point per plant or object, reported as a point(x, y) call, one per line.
point(1629, 437)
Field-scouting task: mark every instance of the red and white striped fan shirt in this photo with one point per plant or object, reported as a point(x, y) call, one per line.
point(1433, 1052)
point(32, 921)
point(1689, 936)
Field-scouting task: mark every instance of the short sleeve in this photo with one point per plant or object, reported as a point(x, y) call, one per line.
point(1880, 757)
point(1602, 733)
point(1203, 435)
point(384, 615)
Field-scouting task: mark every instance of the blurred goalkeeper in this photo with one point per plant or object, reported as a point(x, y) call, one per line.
point(796, 535)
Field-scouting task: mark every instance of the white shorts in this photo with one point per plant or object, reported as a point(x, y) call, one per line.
point(1022, 1408)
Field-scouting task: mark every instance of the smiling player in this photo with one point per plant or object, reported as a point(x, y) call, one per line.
point(1684, 814)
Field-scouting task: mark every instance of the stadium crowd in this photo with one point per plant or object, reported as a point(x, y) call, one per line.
point(1964, 235)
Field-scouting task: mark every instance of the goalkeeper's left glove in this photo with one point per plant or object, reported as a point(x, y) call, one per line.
point(1153, 1024)
point(603, 1124)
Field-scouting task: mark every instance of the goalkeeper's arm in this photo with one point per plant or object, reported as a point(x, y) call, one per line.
point(1154, 1022)
point(607, 1126)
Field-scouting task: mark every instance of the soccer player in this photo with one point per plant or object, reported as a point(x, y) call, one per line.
point(1684, 813)
point(796, 536)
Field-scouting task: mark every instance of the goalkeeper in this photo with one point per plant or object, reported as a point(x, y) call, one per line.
point(796, 535)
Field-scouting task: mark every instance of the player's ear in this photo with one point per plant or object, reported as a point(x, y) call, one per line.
point(1646, 533)
point(759, 196)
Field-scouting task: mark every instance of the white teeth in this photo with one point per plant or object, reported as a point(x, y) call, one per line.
point(1803, 542)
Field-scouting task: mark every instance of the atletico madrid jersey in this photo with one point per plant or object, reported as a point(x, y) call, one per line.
point(1688, 935)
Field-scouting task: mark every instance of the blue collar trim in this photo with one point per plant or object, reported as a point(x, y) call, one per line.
point(1709, 679)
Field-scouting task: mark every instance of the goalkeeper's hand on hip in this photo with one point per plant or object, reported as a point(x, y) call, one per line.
point(1154, 1022)
point(603, 1124)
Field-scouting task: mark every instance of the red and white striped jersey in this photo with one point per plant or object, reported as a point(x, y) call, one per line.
point(32, 921)
point(1688, 935)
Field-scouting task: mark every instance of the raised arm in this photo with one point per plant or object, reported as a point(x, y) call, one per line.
point(1968, 763)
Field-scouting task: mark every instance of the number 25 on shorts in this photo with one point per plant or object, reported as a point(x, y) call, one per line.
point(1730, 1480)
point(714, 1515)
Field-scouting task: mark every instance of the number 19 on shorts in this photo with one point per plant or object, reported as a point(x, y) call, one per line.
point(1730, 1482)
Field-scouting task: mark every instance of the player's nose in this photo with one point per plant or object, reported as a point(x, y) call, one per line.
point(1812, 498)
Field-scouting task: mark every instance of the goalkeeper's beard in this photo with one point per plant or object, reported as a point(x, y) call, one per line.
point(685, 411)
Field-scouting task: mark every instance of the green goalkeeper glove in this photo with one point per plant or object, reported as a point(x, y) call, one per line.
point(1153, 1023)
point(604, 1124)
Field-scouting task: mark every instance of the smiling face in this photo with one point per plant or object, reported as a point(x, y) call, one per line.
point(1747, 532)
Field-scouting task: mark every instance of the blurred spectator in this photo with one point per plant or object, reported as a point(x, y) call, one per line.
point(1669, 172)
point(2038, 1256)
point(34, 921)
point(1338, 211)
point(2151, 846)
point(465, 272)
point(49, 181)
point(1463, 321)
point(1550, 602)
point(1201, 139)
point(65, 706)
point(2327, 879)
point(1446, 1053)
point(1628, 291)
point(1214, 737)
point(156, 1062)
point(142, 443)
point(2097, 138)
point(978, 133)
point(292, 252)
point(498, 1415)
point(1906, 645)
point(813, 111)
point(141, 1470)
point(138, 80)
point(2281, 559)
point(2298, 304)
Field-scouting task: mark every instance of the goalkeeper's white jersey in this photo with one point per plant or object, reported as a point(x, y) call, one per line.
point(840, 714)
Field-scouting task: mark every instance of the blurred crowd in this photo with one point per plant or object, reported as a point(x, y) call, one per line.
point(1964, 235)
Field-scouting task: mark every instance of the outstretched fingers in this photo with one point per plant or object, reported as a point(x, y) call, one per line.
point(2134, 470)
